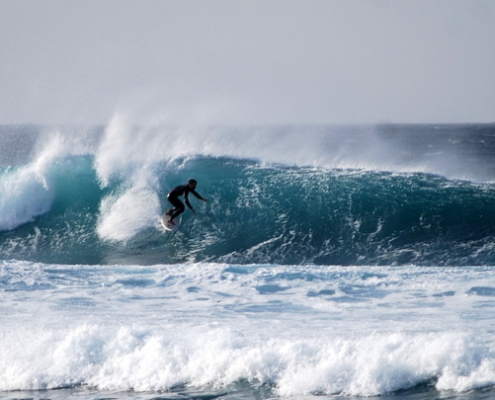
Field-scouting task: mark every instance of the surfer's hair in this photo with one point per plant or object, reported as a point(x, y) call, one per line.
point(193, 181)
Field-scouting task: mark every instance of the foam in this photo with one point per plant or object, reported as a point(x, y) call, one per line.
point(124, 156)
point(153, 328)
point(123, 216)
point(147, 359)
point(28, 191)
point(23, 196)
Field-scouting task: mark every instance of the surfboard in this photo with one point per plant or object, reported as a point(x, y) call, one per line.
point(170, 227)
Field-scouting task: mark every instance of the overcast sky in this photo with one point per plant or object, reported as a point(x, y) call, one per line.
point(247, 62)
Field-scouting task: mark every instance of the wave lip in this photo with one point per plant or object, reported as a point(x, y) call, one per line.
point(24, 194)
point(27, 191)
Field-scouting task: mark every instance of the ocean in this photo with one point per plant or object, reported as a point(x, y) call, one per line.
point(337, 262)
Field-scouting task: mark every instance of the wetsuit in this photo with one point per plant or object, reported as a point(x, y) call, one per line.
point(173, 197)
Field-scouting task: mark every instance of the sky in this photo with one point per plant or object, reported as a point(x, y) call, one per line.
point(247, 62)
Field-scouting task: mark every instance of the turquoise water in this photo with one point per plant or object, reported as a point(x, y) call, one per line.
point(256, 214)
point(335, 262)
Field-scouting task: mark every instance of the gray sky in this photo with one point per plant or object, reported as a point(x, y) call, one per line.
point(253, 61)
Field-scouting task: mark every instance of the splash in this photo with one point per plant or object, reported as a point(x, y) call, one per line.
point(146, 360)
point(28, 191)
point(130, 158)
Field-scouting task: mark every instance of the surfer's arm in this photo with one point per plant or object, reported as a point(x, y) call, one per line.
point(186, 198)
point(198, 195)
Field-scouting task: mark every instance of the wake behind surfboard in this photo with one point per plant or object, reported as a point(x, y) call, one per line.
point(168, 226)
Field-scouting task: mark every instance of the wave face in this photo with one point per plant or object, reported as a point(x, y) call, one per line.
point(99, 202)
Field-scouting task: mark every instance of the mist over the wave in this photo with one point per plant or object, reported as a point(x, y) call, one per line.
point(122, 146)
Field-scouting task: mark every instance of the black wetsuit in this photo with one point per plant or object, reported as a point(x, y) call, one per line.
point(173, 197)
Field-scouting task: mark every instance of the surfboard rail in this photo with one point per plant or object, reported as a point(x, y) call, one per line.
point(167, 226)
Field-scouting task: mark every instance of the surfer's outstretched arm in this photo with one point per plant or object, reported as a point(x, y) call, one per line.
point(198, 195)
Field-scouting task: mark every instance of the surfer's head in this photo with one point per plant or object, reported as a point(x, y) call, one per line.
point(193, 183)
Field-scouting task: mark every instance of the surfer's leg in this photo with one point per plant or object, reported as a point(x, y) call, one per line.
point(175, 202)
point(179, 208)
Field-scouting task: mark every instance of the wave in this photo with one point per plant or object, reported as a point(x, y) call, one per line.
point(286, 195)
point(144, 360)
point(256, 214)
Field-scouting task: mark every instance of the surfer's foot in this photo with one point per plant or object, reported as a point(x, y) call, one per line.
point(170, 221)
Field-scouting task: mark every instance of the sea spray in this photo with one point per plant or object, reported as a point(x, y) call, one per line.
point(123, 215)
point(133, 204)
point(28, 191)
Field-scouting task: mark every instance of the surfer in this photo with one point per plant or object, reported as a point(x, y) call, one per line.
point(173, 197)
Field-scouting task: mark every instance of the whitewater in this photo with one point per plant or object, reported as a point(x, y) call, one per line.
point(343, 262)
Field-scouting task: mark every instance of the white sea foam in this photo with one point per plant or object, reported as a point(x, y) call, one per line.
point(28, 191)
point(299, 329)
point(126, 156)
point(121, 217)
point(156, 359)
point(24, 194)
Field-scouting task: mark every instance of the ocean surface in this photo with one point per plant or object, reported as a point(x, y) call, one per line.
point(335, 262)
